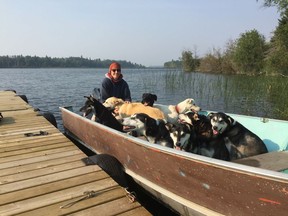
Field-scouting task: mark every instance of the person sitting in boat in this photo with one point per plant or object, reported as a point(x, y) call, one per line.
point(113, 85)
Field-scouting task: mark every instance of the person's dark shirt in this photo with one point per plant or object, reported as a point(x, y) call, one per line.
point(118, 89)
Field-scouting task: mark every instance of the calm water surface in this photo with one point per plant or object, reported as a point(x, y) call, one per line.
point(48, 89)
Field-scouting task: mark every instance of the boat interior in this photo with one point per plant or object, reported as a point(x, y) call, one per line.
point(274, 134)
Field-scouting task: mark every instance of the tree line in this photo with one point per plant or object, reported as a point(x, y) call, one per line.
point(19, 61)
point(249, 54)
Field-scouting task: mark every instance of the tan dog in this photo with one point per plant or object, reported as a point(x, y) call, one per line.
point(127, 109)
point(171, 112)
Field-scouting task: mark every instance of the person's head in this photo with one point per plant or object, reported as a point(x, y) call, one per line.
point(115, 70)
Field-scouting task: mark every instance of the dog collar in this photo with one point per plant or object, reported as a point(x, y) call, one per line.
point(176, 108)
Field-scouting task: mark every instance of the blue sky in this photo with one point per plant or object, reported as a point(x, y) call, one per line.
point(148, 32)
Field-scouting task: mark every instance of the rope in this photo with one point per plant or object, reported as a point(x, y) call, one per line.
point(130, 195)
point(89, 194)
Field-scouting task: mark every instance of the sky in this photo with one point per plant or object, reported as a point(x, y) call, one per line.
point(147, 32)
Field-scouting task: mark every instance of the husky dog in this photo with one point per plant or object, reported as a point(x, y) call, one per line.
point(154, 130)
point(201, 137)
point(240, 141)
point(181, 135)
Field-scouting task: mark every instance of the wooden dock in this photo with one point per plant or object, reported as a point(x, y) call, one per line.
point(42, 175)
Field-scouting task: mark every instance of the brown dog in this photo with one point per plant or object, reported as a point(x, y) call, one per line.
point(127, 109)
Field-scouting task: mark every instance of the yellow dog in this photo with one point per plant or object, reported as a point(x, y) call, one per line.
point(127, 109)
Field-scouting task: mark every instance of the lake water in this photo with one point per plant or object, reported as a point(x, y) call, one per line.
point(48, 89)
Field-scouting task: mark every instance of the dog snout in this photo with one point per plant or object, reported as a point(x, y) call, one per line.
point(178, 144)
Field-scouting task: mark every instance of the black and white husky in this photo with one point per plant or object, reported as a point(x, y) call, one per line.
point(154, 130)
point(240, 141)
point(201, 139)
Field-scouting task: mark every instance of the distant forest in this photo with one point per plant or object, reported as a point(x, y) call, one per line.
point(19, 61)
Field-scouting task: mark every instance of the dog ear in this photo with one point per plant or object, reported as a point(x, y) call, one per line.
point(118, 101)
point(91, 98)
point(210, 115)
point(169, 126)
point(154, 97)
point(144, 95)
point(231, 120)
point(190, 101)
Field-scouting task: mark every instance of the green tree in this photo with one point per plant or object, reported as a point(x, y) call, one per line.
point(212, 62)
point(173, 64)
point(277, 57)
point(228, 66)
point(249, 52)
point(189, 63)
point(282, 5)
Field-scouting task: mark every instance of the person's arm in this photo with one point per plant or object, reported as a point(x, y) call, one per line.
point(105, 89)
point(127, 93)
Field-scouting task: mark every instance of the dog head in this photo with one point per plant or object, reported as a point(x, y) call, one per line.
point(112, 102)
point(201, 124)
point(154, 130)
point(148, 99)
point(189, 117)
point(142, 124)
point(180, 135)
point(187, 105)
point(134, 125)
point(220, 122)
point(88, 106)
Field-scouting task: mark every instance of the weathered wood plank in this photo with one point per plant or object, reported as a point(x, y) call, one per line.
point(35, 148)
point(14, 186)
point(36, 154)
point(122, 204)
point(40, 158)
point(52, 187)
point(10, 101)
point(137, 211)
point(276, 161)
point(21, 131)
point(27, 143)
point(40, 164)
point(112, 194)
point(64, 195)
point(18, 140)
point(40, 172)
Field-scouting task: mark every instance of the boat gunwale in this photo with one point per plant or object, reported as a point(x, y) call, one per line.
point(229, 165)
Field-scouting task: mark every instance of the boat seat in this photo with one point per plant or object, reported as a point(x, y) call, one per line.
point(277, 161)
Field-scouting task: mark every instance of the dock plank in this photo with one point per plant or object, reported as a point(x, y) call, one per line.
point(38, 174)
point(4, 188)
point(39, 165)
point(36, 191)
point(109, 208)
point(59, 196)
point(109, 195)
point(15, 163)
